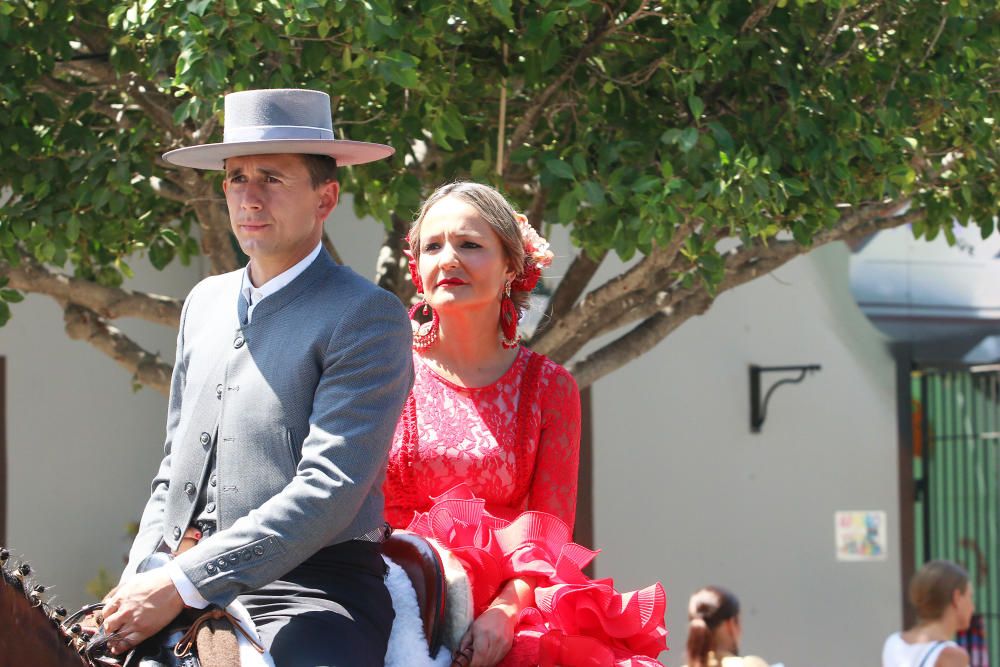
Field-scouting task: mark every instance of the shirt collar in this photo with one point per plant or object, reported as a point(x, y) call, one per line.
point(254, 294)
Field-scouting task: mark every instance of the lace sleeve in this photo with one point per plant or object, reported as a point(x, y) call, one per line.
point(554, 483)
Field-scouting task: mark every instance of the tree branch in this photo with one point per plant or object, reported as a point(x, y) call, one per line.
point(392, 271)
point(168, 190)
point(147, 368)
point(565, 336)
point(646, 335)
point(107, 302)
point(569, 289)
point(758, 15)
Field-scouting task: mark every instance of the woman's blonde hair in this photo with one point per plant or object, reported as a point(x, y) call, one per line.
point(496, 211)
point(933, 587)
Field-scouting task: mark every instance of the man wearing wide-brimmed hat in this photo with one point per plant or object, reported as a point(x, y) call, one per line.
point(289, 379)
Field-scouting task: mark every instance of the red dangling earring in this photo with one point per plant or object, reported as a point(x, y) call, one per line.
point(426, 334)
point(508, 320)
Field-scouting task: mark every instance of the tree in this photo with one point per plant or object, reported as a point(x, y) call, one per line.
point(655, 130)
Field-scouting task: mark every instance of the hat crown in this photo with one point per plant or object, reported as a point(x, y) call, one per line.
point(278, 113)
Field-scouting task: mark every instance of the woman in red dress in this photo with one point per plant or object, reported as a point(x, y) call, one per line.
point(486, 453)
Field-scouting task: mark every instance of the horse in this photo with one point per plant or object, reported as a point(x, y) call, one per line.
point(30, 628)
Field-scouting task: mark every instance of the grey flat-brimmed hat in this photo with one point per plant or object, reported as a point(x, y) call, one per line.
point(281, 120)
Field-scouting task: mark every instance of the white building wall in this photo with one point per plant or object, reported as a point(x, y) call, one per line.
point(685, 493)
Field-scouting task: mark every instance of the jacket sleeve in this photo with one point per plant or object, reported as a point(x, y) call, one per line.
point(366, 375)
point(151, 525)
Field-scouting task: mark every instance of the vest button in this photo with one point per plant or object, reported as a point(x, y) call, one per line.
point(210, 568)
point(218, 391)
point(177, 533)
point(239, 342)
point(189, 488)
point(205, 437)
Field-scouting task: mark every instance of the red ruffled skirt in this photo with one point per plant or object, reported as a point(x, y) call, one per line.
point(576, 621)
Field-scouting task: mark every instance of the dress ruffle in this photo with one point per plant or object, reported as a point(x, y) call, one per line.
point(576, 621)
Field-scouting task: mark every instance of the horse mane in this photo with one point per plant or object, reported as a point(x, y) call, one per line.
point(30, 625)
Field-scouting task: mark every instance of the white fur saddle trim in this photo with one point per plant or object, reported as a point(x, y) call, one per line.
point(407, 643)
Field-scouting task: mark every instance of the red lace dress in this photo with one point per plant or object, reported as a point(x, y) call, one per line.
point(491, 474)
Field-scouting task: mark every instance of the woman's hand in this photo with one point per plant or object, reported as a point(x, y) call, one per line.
point(489, 637)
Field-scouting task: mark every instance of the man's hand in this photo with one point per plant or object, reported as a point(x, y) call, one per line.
point(139, 608)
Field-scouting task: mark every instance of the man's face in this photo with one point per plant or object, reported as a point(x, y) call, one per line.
point(276, 213)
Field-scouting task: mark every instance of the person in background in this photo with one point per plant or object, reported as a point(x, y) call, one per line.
point(714, 632)
point(942, 596)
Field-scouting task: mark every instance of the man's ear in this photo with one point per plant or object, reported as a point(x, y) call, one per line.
point(329, 195)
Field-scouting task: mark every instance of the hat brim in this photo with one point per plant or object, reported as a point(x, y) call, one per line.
point(213, 156)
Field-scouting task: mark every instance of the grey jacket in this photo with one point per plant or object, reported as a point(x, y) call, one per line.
point(300, 406)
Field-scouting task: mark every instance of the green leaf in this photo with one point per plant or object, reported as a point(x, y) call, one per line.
point(559, 168)
point(688, 138)
point(501, 9)
point(696, 106)
point(11, 296)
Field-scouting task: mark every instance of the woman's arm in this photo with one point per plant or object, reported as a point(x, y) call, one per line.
point(554, 482)
point(491, 635)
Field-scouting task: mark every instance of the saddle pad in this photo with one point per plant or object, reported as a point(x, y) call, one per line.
point(407, 643)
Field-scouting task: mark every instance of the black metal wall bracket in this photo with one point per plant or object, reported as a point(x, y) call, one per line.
point(758, 408)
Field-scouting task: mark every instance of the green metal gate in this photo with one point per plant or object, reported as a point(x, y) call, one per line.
point(956, 467)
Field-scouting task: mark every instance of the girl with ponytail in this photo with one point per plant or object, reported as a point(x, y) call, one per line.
point(714, 631)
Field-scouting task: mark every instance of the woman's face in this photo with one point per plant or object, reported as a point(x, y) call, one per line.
point(964, 606)
point(462, 262)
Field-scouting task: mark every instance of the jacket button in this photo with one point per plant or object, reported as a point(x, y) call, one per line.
point(177, 533)
point(247, 554)
point(239, 342)
point(218, 391)
point(234, 558)
point(205, 437)
point(210, 568)
point(189, 488)
point(221, 561)
point(209, 508)
point(212, 481)
point(259, 550)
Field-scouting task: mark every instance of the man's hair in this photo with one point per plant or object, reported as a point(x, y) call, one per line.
point(322, 168)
